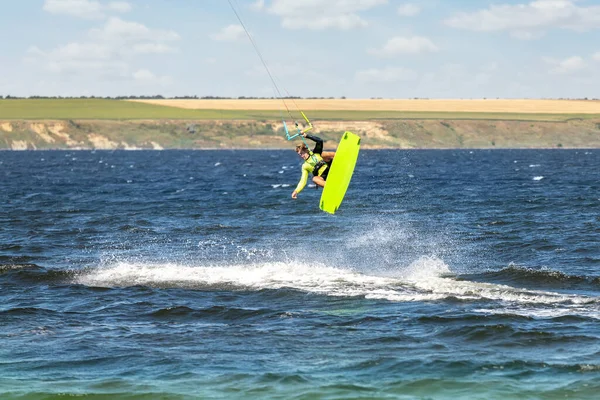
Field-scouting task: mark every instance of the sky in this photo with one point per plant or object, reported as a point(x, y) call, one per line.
point(313, 48)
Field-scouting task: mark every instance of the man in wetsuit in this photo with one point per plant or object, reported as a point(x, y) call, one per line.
point(316, 162)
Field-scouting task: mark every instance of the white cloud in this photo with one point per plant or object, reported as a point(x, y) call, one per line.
point(342, 22)
point(230, 33)
point(322, 14)
point(79, 58)
point(94, 68)
point(119, 6)
point(258, 5)
point(83, 51)
point(401, 45)
point(35, 51)
point(88, 9)
point(76, 8)
point(385, 75)
point(146, 77)
point(116, 29)
point(526, 35)
point(525, 20)
point(408, 10)
point(567, 66)
point(152, 48)
point(596, 56)
point(108, 52)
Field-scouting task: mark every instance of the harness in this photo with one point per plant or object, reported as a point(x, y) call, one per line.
point(318, 166)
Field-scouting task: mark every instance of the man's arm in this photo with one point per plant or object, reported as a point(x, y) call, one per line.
point(302, 183)
point(319, 146)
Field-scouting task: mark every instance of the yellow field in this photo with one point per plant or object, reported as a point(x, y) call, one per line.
point(523, 106)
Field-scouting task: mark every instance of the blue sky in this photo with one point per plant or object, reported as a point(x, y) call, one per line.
point(320, 48)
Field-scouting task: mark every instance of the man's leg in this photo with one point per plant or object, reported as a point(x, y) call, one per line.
point(319, 181)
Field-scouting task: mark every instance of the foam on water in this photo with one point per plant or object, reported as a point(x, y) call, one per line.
point(426, 279)
point(589, 311)
point(269, 275)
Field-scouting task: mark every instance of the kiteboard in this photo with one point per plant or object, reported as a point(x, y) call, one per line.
point(340, 173)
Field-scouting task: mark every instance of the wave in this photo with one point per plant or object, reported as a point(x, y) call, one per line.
point(33, 273)
point(18, 267)
point(426, 279)
point(217, 313)
point(509, 335)
point(523, 275)
point(37, 312)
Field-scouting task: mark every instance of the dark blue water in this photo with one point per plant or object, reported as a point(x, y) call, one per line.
point(193, 274)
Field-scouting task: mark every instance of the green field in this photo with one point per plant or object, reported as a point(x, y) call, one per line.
point(82, 109)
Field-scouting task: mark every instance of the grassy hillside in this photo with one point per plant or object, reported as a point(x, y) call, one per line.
point(115, 124)
point(81, 109)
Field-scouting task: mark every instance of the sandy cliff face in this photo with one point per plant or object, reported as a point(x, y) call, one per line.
point(30, 135)
point(21, 145)
point(102, 143)
point(203, 134)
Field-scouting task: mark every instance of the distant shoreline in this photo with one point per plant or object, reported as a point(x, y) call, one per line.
point(87, 124)
point(159, 134)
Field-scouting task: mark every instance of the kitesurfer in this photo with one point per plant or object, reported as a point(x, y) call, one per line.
point(317, 162)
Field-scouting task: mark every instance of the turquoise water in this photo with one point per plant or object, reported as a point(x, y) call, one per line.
point(193, 274)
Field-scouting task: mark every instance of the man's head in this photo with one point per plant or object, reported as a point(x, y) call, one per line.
point(302, 151)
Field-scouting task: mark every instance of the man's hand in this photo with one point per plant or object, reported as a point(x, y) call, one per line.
point(294, 195)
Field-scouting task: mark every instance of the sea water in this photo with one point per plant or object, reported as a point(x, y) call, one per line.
point(449, 274)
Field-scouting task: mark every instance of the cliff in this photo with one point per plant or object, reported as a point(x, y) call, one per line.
point(231, 134)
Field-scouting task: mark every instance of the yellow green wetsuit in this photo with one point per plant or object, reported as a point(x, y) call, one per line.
point(315, 160)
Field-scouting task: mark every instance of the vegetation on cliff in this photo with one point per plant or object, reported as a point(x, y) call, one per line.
point(112, 124)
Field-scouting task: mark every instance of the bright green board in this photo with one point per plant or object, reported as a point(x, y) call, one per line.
point(340, 174)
